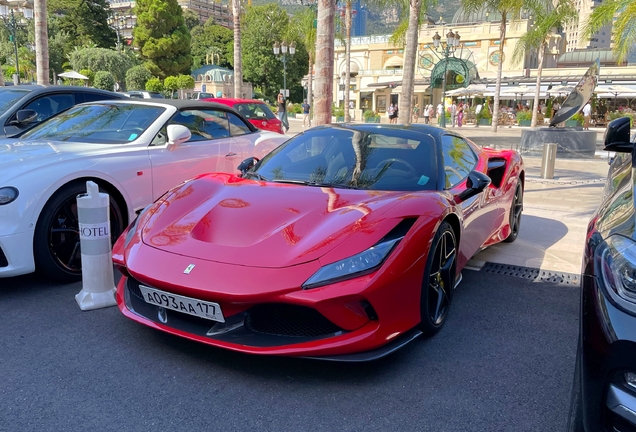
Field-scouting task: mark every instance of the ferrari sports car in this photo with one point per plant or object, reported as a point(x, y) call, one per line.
point(344, 243)
point(134, 149)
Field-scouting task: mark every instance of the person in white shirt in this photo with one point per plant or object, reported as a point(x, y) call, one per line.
point(453, 113)
point(587, 114)
point(440, 112)
point(426, 114)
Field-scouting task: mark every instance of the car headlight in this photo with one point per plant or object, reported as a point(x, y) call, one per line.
point(616, 258)
point(8, 194)
point(355, 266)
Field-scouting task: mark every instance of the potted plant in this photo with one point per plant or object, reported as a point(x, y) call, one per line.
point(371, 117)
point(576, 120)
point(339, 114)
point(484, 117)
point(524, 118)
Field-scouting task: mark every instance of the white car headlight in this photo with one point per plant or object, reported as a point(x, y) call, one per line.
point(616, 259)
point(355, 266)
point(8, 194)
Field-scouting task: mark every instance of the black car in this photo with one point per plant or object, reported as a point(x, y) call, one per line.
point(24, 106)
point(604, 390)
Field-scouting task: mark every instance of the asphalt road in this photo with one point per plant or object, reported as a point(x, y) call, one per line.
point(503, 362)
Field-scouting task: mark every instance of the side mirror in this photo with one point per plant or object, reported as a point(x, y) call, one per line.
point(476, 183)
point(178, 134)
point(247, 165)
point(617, 136)
point(25, 116)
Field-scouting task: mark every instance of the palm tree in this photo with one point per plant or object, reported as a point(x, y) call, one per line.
point(238, 61)
point(623, 33)
point(510, 10)
point(347, 83)
point(549, 18)
point(307, 32)
point(41, 42)
point(324, 61)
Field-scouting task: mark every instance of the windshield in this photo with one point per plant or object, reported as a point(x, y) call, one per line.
point(254, 111)
point(107, 123)
point(9, 96)
point(361, 158)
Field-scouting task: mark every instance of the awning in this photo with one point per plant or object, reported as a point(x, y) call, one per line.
point(372, 89)
point(416, 89)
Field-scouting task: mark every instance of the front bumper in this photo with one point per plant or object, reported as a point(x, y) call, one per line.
point(17, 251)
point(608, 336)
point(354, 316)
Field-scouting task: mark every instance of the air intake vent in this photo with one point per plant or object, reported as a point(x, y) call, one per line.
point(289, 320)
point(3, 259)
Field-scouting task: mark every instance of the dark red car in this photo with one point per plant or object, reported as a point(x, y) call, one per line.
point(344, 243)
point(256, 111)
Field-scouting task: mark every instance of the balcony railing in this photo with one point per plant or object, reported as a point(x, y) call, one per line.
point(366, 40)
point(381, 72)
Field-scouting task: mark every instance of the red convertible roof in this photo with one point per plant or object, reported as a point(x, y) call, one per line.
point(232, 101)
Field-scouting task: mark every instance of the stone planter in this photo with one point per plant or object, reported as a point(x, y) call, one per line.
point(573, 123)
point(339, 119)
point(372, 119)
point(525, 122)
point(484, 122)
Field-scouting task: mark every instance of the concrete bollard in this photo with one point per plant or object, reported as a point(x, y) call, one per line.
point(98, 284)
point(548, 160)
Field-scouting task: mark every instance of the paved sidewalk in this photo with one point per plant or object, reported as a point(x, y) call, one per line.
point(556, 212)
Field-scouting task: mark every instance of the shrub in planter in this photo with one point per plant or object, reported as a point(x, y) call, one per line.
point(615, 115)
point(371, 117)
point(576, 120)
point(524, 118)
point(338, 113)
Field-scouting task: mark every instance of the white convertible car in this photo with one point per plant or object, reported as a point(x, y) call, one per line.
point(135, 150)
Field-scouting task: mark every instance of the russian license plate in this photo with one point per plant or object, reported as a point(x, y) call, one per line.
point(191, 306)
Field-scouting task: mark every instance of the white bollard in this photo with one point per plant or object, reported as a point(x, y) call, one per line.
point(98, 282)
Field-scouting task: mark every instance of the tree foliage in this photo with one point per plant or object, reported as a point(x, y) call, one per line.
point(171, 83)
point(85, 22)
point(185, 82)
point(101, 59)
point(104, 80)
point(622, 15)
point(137, 77)
point(191, 19)
point(211, 44)
point(263, 26)
point(154, 85)
point(88, 74)
point(162, 37)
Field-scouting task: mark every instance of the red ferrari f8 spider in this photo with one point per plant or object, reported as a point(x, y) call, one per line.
point(344, 243)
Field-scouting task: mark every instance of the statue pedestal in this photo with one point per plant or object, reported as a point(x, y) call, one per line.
point(571, 142)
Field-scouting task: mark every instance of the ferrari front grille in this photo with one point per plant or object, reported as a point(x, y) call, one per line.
point(3, 259)
point(289, 320)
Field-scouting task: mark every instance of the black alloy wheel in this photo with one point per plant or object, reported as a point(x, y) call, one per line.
point(515, 214)
point(439, 280)
point(56, 244)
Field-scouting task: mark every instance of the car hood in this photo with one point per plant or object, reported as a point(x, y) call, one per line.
point(18, 157)
point(224, 218)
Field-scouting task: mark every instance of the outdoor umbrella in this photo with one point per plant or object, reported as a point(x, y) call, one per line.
point(519, 90)
point(73, 75)
point(615, 90)
point(560, 89)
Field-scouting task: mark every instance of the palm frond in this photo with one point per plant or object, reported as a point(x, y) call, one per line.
point(603, 14)
point(624, 31)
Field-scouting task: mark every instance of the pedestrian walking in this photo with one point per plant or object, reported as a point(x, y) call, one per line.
point(460, 116)
point(306, 107)
point(440, 113)
point(587, 114)
point(453, 113)
point(416, 113)
point(282, 112)
point(427, 114)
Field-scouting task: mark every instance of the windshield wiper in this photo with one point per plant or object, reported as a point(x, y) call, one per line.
point(317, 184)
point(255, 174)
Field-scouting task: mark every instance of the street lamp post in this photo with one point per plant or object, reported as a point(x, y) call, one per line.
point(343, 84)
point(8, 17)
point(447, 50)
point(280, 50)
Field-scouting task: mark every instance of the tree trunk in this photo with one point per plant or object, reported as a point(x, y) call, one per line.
point(310, 85)
point(324, 61)
point(410, 54)
point(238, 62)
point(535, 105)
point(502, 39)
point(41, 42)
point(347, 84)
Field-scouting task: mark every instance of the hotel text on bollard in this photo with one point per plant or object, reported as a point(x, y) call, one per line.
point(98, 285)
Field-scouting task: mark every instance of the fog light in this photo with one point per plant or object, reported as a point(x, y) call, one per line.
point(630, 379)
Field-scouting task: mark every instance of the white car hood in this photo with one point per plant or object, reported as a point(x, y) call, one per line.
point(19, 157)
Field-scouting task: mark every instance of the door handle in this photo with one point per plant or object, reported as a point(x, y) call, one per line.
point(231, 156)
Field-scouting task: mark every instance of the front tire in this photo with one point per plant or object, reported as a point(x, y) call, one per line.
point(439, 280)
point(56, 242)
point(516, 208)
